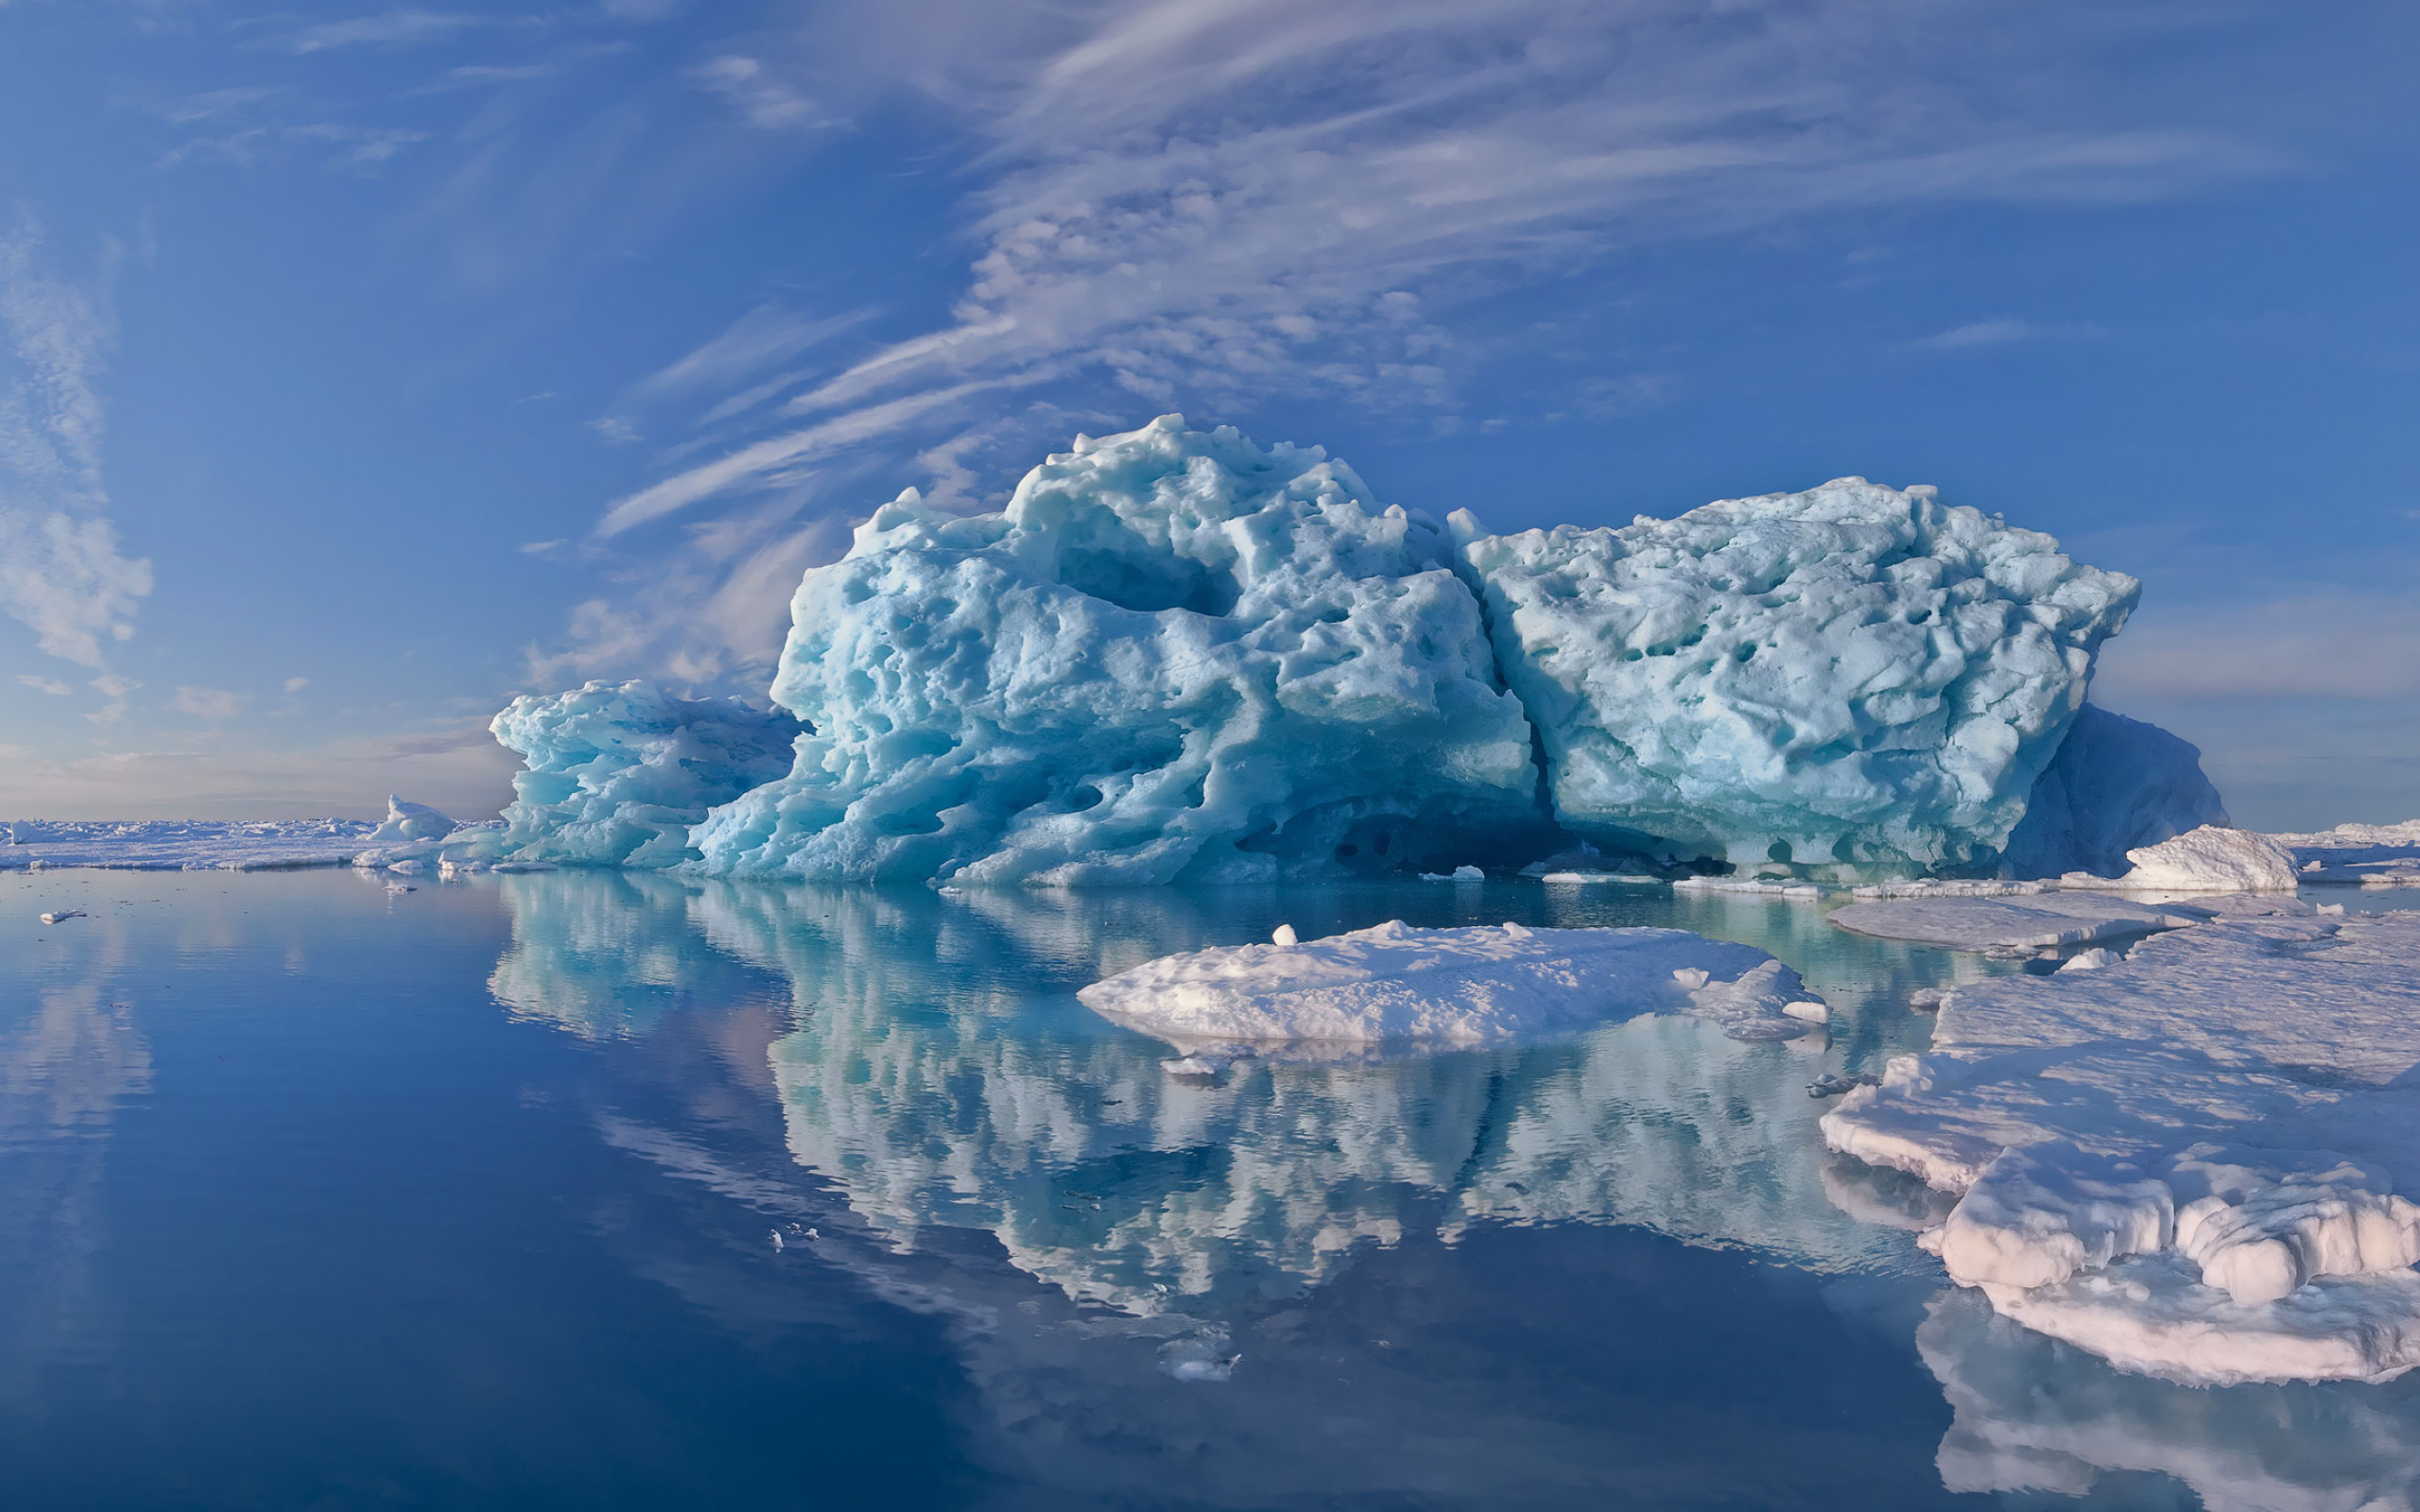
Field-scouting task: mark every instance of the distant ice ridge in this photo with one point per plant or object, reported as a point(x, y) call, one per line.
point(2115, 785)
point(1173, 654)
point(1853, 674)
point(1452, 987)
point(617, 774)
point(181, 845)
point(2186, 1162)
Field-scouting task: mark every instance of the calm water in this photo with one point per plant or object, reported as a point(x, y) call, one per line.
point(315, 1195)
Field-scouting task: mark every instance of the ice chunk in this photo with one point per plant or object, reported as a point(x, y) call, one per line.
point(2117, 783)
point(1851, 674)
point(2211, 859)
point(1173, 654)
point(617, 773)
point(2185, 1161)
point(409, 821)
point(1454, 987)
point(2089, 960)
point(2036, 922)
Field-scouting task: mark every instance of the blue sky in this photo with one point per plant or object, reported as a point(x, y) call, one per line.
point(365, 365)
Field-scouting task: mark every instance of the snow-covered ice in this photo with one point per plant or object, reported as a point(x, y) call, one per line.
point(616, 774)
point(1852, 674)
point(2210, 859)
point(2372, 855)
point(1453, 987)
point(1174, 655)
point(2185, 1161)
point(2117, 783)
point(174, 845)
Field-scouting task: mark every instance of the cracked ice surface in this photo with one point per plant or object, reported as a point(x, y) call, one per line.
point(1173, 654)
point(2185, 1161)
point(1453, 987)
point(1851, 674)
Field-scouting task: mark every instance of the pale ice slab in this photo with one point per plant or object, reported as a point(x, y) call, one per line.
point(1854, 674)
point(2040, 921)
point(1173, 654)
point(616, 774)
point(2185, 1161)
point(2372, 855)
point(1455, 987)
point(2117, 783)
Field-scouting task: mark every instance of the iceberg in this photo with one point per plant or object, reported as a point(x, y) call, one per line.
point(1452, 987)
point(1854, 674)
point(408, 821)
point(2185, 1161)
point(2115, 785)
point(1173, 654)
point(616, 774)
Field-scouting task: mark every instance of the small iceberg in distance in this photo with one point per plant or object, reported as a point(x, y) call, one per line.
point(1451, 988)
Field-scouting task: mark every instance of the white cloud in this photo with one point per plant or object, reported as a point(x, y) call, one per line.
point(214, 704)
point(2000, 334)
point(62, 572)
point(392, 28)
point(756, 341)
point(618, 430)
point(297, 684)
point(1202, 204)
point(49, 685)
point(763, 100)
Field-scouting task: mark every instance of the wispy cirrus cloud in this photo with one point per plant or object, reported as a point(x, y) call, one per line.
point(399, 28)
point(1204, 203)
point(62, 572)
point(2002, 333)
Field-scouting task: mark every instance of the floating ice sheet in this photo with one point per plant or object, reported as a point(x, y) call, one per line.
point(1453, 987)
point(2185, 1161)
point(2032, 921)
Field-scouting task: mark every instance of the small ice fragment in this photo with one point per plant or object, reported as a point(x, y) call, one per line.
point(62, 915)
point(1692, 977)
point(397, 887)
point(2332, 909)
point(1469, 874)
point(1516, 930)
point(1284, 934)
point(1811, 1012)
point(777, 1239)
point(2091, 960)
point(1832, 1085)
point(1928, 999)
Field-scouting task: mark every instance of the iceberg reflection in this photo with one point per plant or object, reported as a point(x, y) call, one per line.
point(2034, 1414)
point(930, 1082)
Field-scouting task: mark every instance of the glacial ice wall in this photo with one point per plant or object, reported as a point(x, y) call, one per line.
point(1852, 674)
point(616, 774)
point(1172, 655)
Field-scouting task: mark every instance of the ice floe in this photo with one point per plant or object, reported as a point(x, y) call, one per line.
point(2040, 920)
point(177, 845)
point(2210, 859)
point(2185, 1161)
point(1451, 986)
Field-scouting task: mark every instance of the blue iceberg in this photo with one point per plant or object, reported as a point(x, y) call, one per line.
point(1173, 654)
point(1855, 673)
point(1178, 656)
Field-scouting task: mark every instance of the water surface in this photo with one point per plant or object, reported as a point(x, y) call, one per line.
point(316, 1195)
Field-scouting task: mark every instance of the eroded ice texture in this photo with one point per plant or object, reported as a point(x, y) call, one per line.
point(1851, 674)
point(408, 821)
point(2116, 784)
point(1173, 654)
point(616, 774)
point(2186, 1162)
point(1475, 986)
